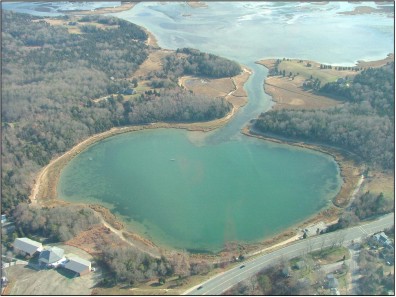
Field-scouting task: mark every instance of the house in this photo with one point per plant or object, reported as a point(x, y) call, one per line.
point(52, 256)
point(78, 265)
point(332, 282)
point(27, 246)
point(3, 218)
point(383, 239)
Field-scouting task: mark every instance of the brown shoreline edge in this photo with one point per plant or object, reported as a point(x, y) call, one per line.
point(124, 6)
point(47, 180)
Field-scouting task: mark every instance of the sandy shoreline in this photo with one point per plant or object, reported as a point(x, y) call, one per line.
point(124, 6)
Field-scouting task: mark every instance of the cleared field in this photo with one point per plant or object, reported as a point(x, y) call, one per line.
point(288, 93)
point(214, 87)
point(324, 75)
point(379, 182)
point(73, 26)
point(152, 63)
point(331, 255)
point(229, 88)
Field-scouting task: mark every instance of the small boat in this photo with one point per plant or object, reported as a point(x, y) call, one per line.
point(90, 159)
point(172, 159)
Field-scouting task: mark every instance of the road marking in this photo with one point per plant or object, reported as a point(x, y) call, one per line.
point(364, 231)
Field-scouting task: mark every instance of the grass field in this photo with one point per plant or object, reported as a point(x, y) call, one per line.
point(331, 254)
point(324, 75)
point(76, 28)
point(379, 182)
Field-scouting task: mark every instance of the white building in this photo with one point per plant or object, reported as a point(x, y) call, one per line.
point(27, 246)
point(78, 265)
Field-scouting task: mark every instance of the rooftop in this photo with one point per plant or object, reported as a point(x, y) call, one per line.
point(51, 255)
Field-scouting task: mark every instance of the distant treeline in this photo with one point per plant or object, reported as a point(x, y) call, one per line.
point(364, 125)
point(374, 86)
point(194, 62)
point(49, 78)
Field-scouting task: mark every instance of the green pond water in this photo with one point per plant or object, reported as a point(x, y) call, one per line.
point(184, 195)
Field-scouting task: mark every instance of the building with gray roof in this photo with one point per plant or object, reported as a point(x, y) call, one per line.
point(51, 255)
point(78, 265)
point(27, 246)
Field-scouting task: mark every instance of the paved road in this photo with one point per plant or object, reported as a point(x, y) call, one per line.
point(222, 282)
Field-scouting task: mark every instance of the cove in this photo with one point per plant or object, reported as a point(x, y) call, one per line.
point(184, 195)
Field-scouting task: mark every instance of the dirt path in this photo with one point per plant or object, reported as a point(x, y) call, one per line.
point(291, 239)
point(356, 190)
point(120, 234)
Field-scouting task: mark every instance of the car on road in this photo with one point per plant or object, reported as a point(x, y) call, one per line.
point(242, 266)
point(200, 287)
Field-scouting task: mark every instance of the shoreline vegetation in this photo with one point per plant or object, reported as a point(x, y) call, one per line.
point(46, 182)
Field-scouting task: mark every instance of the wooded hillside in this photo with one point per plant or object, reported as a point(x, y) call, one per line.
point(364, 125)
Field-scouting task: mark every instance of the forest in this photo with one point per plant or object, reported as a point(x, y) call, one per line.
point(363, 125)
point(187, 61)
point(50, 78)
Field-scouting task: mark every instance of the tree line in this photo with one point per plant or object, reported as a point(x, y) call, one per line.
point(374, 85)
point(365, 206)
point(364, 125)
point(57, 223)
point(187, 61)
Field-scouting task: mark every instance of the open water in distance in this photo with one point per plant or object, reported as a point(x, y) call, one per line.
point(198, 191)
